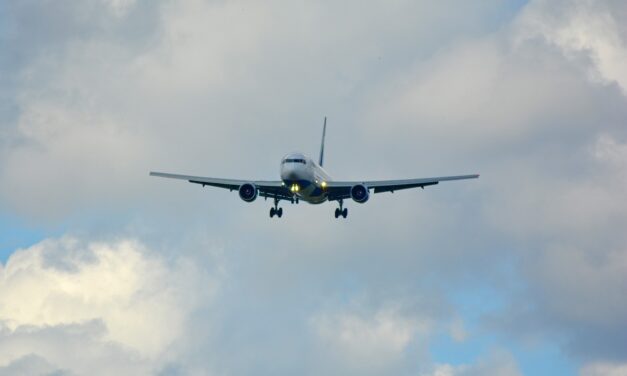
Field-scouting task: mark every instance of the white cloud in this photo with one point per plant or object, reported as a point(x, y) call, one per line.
point(115, 300)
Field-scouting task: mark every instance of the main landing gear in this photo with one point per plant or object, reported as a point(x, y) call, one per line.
point(276, 210)
point(339, 211)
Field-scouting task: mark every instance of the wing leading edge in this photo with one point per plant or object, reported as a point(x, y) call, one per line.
point(338, 190)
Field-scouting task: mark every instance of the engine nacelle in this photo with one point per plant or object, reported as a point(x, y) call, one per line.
point(248, 192)
point(360, 193)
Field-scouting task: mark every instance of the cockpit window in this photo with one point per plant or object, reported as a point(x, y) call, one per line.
point(294, 160)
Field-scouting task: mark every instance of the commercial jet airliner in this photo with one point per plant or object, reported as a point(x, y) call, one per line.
point(304, 179)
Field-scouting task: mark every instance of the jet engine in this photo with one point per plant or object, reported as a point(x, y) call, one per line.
point(248, 192)
point(359, 193)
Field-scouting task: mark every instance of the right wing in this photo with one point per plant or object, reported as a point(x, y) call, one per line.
point(338, 190)
point(272, 189)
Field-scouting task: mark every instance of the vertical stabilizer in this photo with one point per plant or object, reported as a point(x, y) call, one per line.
point(324, 131)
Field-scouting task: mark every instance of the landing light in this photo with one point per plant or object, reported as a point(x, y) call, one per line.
point(323, 184)
point(294, 188)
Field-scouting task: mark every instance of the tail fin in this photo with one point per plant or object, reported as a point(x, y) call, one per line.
point(324, 131)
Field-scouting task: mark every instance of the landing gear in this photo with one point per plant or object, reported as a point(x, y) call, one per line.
point(341, 212)
point(276, 210)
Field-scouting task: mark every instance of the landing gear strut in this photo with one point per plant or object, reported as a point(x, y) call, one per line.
point(276, 210)
point(341, 211)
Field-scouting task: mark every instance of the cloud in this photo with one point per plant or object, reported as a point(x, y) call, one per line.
point(95, 94)
point(497, 362)
point(370, 341)
point(605, 369)
point(30, 365)
point(549, 138)
point(591, 29)
point(69, 349)
point(114, 302)
point(159, 86)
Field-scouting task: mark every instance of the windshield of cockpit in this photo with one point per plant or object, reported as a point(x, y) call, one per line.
point(293, 160)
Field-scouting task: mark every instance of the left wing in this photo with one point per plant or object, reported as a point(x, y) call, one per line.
point(273, 189)
point(338, 190)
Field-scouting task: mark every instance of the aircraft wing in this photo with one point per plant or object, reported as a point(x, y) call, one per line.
point(272, 189)
point(338, 190)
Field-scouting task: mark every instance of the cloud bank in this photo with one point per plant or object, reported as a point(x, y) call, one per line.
point(96, 307)
point(94, 94)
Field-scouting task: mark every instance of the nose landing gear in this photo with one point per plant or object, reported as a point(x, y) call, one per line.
point(341, 211)
point(276, 210)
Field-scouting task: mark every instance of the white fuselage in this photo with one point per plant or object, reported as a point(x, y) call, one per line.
point(305, 178)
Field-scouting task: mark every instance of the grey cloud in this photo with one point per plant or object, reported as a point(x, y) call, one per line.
point(558, 205)
point(603, 368)
point(31, 31)
point(67, 350)
point(31, 365)
point(218, 74)
point(497, 362)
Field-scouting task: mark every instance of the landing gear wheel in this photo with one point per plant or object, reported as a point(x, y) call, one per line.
point(341, 211)
point(276, 210)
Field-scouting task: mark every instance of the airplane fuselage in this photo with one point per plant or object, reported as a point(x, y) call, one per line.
point(304, 178)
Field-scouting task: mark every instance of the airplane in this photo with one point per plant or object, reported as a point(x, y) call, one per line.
point(304, 179)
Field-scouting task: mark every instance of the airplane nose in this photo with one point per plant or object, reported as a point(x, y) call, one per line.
point(289, 173)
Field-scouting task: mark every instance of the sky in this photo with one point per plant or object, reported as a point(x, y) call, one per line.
point(105, 270)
